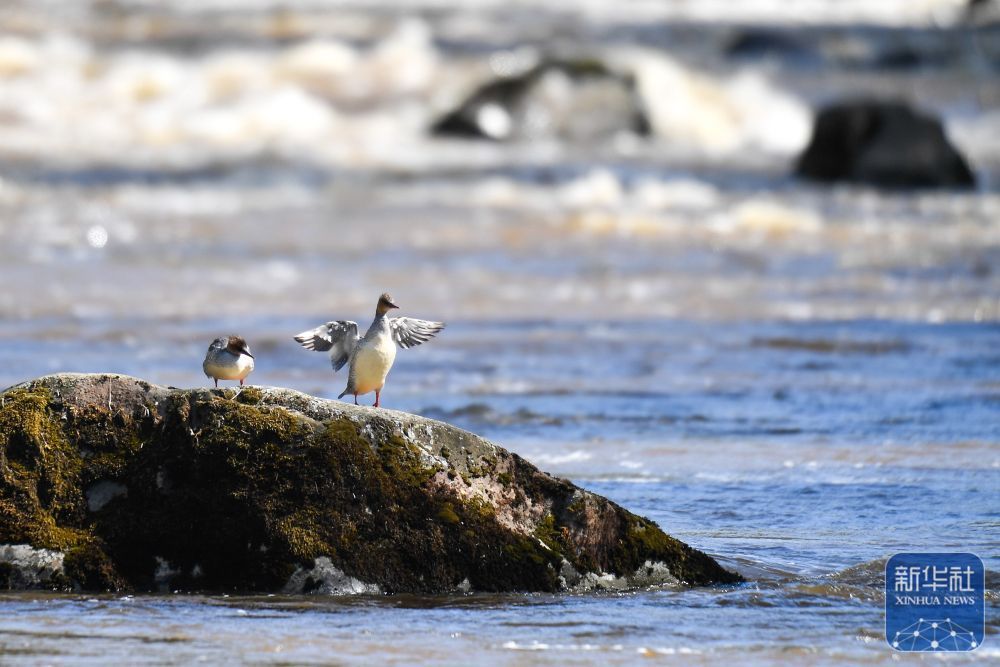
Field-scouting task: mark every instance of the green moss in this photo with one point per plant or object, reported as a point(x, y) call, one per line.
point(524, 551)
point(250, 396)
point(304, 541)
point(481, 467)
point(650, 538)
point(401, 460)
point(447, 514)
point(479, 508)
point(88, 566)
point(106, 465)
point(550, 534)
point(529, 553)
point(39, 472)
point(109, 439)
point(643, 540)
point(43, 473)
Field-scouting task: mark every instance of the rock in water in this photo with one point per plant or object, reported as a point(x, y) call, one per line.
point(773, 43)
point(110, 482)
point(578, 100)
point(884, 144)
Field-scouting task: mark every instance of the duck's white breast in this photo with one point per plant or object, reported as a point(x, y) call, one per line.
point(237, 369)
point(372, 362)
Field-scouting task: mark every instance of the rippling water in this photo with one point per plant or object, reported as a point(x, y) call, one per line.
point(801, 381)
point(801, 455)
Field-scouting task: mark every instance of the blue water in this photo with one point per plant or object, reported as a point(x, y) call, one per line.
point(801, 455)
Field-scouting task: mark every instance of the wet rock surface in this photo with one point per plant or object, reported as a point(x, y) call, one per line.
point(125, 485)
point(882, 143)
point(570, 99)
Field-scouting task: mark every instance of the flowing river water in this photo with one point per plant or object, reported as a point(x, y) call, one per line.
point(799, 380)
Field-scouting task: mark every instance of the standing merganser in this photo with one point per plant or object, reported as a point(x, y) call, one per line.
point(371, 357)
point(228, 358)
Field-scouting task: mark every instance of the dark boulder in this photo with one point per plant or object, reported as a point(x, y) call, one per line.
point(885, 144)
point(109, 482)
point(575, 100)
point(773, 44)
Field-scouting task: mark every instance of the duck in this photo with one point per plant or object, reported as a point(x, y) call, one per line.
point(228, 358)
point(370, 357)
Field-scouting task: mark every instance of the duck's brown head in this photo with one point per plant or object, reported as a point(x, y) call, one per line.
point(385, 304)
point(237, 345)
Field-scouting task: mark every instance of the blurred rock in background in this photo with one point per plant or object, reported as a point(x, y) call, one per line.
point(883, 144)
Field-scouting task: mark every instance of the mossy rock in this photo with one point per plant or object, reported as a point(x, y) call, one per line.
point(141, 487)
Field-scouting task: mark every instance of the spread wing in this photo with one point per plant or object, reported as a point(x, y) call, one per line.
point(337, 337)
point(408, 332)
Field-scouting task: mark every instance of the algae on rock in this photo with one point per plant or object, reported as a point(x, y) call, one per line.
point(148, 488)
